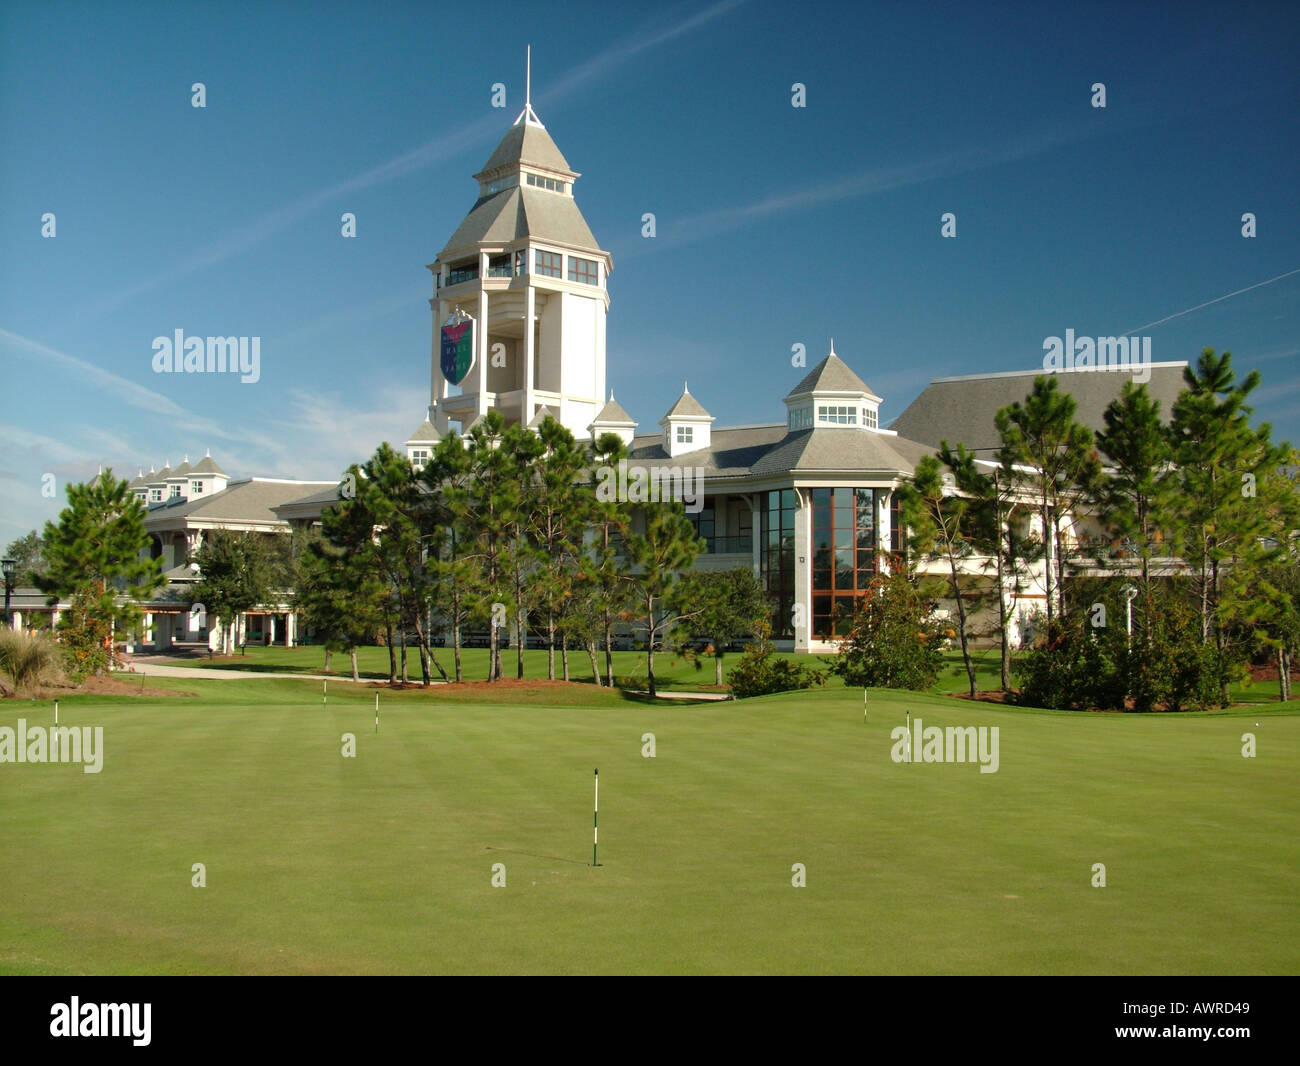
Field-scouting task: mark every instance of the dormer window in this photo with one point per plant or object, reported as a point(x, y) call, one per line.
point(419, 458)
point(175, 491)
point(869, 418)
point(196, 488)
point(508, 182)
point(801, 418)
point(836, 415)
point(547, 183)
point(155, 495)
point(685, 434)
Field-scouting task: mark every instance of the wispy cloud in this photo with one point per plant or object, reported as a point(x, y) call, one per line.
point(446, 146)
point(691, 228)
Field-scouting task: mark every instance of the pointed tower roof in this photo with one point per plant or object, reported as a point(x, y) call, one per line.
point(183, 469)
point(207, 465)
point(687, 406)
point(612, 414)
point(832, 374)
point(164, 473)
point(543, 413)
point(526, 144)
point(426, 433)
point(138, 480)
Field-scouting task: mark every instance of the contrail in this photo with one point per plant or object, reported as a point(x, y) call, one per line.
point(445, 146)
point(1217, 299)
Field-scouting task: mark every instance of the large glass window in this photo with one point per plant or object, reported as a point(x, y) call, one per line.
point(703, 521)
point(777, 558)
point(844, 554)
point(499, 266)
point(550, 264)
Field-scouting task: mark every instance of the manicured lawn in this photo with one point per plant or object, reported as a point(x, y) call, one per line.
point(383, 863)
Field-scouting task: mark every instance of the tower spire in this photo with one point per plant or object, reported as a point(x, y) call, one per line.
point(528, 116)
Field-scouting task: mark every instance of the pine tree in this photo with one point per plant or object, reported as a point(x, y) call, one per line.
point(605, 565)
point(560, 507)
point(939, 521)
point(1055, 458)
point(237, 573)
point(721, 605)
point(1138, 493)
point(98, 550)
point(668, 546)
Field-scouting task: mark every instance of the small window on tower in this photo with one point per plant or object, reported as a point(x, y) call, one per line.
point(196, 488)
point(685, 434)
point(584, 270)
point(550, 264)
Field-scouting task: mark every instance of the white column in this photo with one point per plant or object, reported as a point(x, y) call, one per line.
point(16, 620)
point(290, 629)
point(756, 531)
point(803, 566)
point(530, 354)
point(883, 531)
point(482, 333)
point(273, 618)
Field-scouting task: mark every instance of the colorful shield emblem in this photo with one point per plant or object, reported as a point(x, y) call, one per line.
point(457, 351)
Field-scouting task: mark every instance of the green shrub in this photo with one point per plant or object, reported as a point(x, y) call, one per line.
point(759, 672)
point(895, 639)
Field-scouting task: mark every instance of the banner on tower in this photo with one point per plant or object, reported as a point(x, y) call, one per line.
point(457, 349)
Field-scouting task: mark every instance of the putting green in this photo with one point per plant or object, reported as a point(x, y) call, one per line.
point(316, 863)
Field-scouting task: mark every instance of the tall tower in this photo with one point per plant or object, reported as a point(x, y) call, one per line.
point(526, 268)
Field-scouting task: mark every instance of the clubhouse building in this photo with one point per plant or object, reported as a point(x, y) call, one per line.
point(519, 304)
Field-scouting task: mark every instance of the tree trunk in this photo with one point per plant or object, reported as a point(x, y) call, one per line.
point(1281, 674)
point(550, 646)
point(564, 657)
point(405, 679)
point(650, 645)
point(609, 650)
point(327, 660)
point(356, 677)
point(717, 663)
point(427, 655)
point(455, 635)
point(595, 664)
point(392, 655)
point(1004, 619)
point(961, 622)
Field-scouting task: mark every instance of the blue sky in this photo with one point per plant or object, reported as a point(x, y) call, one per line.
point(776, 225)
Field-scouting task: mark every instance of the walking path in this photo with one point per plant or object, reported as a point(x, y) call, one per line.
point(210, 673)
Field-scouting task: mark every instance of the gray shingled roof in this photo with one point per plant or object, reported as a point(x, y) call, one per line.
point(426, 433)
point(687, 406)
point(182, 470)
point(731, 452)
point(207, 465)
point(963, 409)
point(541, 416)
point(612, 414)
point(526, 143)
point(832, 374)
point(251, 500)
point(523, 211)
point(841, 449)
